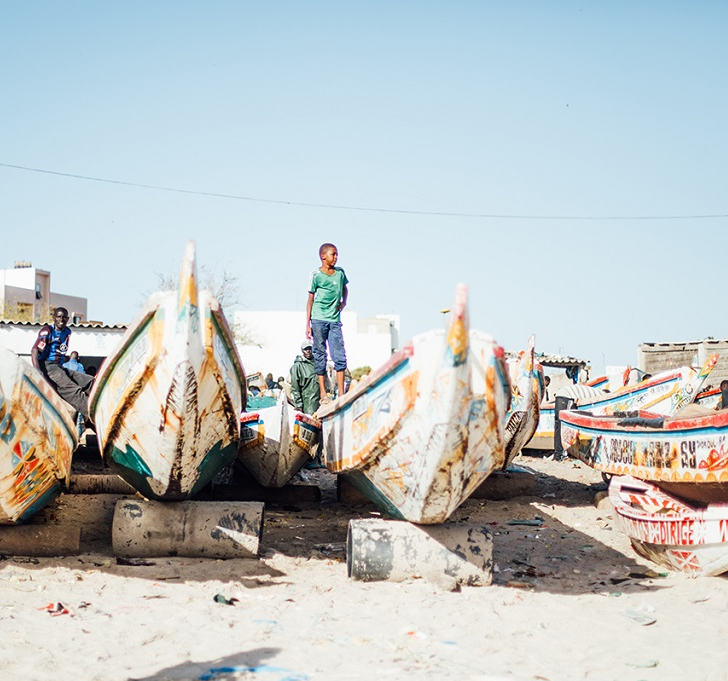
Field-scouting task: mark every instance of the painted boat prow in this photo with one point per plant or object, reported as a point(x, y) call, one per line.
point(527, 387)
point(166, 403)
point(418, 435)
point(276, 442)
point(670, 532)
point(37, 439)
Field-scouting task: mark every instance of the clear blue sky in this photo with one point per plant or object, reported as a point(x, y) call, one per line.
point(422, 112)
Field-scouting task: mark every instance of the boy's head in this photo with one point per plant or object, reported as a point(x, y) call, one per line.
point(724, 385)
point(325, 248)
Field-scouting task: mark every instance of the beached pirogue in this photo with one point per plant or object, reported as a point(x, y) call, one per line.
point(665, 393)
point(669, 531)
point(421, 433)
point(37, 440)
point(167, 402)
point(276, 442)
point(526, 394)
point(678, 515)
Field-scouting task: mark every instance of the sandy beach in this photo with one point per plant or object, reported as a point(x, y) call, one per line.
point(569, 600)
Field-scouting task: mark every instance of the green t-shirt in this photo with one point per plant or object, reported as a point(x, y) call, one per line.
point(327, 292)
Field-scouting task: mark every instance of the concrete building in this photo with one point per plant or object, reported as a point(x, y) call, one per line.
point(277, 338)
point(655, 357)
point(25, 294)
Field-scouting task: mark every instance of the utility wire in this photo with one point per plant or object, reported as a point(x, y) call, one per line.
point(333, 206)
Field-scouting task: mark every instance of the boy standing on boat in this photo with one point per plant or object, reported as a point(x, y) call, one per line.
point(49, 355)
point(327, 296)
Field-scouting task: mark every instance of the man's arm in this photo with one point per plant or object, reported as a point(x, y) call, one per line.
point(295, 389)
point(34, 358)
point(38, 347)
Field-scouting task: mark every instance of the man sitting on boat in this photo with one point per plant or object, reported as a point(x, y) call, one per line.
point(49, 354)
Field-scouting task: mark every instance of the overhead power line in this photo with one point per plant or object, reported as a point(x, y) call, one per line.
point(333, 206)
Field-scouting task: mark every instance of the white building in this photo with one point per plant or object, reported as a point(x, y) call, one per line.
point(93, 342)
point(369, 341)
point(25, 292)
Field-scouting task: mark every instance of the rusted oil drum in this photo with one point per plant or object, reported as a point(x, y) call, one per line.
point(394, 550)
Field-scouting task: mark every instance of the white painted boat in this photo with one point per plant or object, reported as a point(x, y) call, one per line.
point(37, 440)
point(665, 393)
point(526, 394)
point(167, 402)
point(670, 532)
point(422, 432)
point(276, 442)
point(685, 454)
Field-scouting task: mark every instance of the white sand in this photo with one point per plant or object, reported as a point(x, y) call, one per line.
point(570, 600)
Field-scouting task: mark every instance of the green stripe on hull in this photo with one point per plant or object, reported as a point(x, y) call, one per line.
point(130, 466)
point(363, 484)
point(215, 460)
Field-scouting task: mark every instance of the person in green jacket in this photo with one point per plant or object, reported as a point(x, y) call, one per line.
point(304, 381)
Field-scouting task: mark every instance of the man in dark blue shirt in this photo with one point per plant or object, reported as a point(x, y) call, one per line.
point(49, 355)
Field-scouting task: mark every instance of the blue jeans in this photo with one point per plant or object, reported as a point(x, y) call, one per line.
point(327, 333)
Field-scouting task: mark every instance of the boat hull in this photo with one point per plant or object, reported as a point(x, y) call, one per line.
point(37, 440)
point(424, 431)
point(166, 403)
point(276, 442)
point(522, 418)
point(671, 449)
point(670, 532)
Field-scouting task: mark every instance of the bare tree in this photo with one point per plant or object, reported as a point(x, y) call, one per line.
point(222, 285)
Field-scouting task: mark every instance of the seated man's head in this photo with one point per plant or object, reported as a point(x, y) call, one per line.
point(60, 318)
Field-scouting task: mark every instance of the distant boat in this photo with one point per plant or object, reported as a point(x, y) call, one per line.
point(423, 431)
point(526, 393)
point(665, 394)
point(708, 398)
point(670, 532)
point(167, 402)
point(37, 440)
point(276, 442)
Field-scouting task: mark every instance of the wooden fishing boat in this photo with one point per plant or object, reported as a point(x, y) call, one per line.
point(670, 532)
point(167, 402)
point(37, 440)
point(709, 398)
point(422, 432)
point(526, 393)
point(665, 393)
point(686, 455)
point(276, 442)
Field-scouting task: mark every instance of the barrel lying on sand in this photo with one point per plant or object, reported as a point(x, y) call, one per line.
point(201, 529)
point(392, 550)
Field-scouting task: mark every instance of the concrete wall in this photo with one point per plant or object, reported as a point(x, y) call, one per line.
point(278, 335)
point(656, 357)
point(91, 343)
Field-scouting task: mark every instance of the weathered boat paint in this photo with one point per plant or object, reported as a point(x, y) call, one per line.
point(670, 532)
point(166, 402)
point(37, 440)
point(708, 398)
point(421, 433)
point(665, 393)
point(526, 393)
point(276, 442)
point(650, 447)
